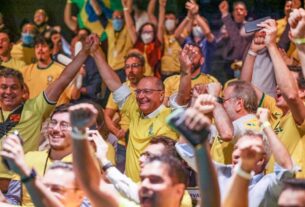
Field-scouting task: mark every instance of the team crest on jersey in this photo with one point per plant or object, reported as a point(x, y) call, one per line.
point(150, 130)
point(50, 79)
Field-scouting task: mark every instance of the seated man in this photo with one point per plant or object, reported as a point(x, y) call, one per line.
point(144, 108)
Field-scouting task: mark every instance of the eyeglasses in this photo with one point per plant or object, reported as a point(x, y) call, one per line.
point(64, 126)
point(147, 32)
point(145, 91)
point(134, 65)
point(224, 100)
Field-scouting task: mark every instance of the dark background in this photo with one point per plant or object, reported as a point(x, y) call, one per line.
point(16, 11)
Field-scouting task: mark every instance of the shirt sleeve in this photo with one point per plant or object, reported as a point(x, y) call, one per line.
point(187, 153)
point(13, 194)
point(124, 185)
point(120, 95)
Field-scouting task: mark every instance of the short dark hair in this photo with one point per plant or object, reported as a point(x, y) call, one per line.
point(300, 79)
point(11, 73)
point(244, 90)
point(8, 33)
point(44, 41)
point(63, 108)
point(137, 55)
point(239, 3)
point(169, 145)
point(176, 169)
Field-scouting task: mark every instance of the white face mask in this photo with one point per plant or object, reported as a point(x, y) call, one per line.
point(147, 38)
point(170, 24)
point(197, 31)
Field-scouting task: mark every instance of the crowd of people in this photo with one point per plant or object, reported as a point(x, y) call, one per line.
point(132, 111)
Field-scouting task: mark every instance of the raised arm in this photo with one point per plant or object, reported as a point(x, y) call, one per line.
point(162, 5)
point(84, 160)
point(185, 86)
point(279, 151)
point(111, 79)
point(69, 20)
point(284, 78)
point(297, 28)
point(128, 21)
point(151, 11)
point(12, 152)
point(185, 24)
point(251, 151)
point(55, 89)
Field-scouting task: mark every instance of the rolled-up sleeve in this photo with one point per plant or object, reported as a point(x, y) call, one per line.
point(120, 95)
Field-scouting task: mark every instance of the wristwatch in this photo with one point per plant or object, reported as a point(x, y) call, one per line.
point(30, 177)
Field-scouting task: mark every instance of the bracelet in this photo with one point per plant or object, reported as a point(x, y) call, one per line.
point(78, 134)
point(125, 9)
point(265, 125)
point(252, 53)
point(239, 171)
point(107, 166)
point(30, 177)
point(299, 41)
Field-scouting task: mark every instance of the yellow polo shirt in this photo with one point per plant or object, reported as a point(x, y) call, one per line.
point(290, 134)
point(119, 43)
point(34, 112)
point(141, 130)
point(172, 83)
point(170, 59)
point(124, 121)
point(25, 54)
point(14, 64)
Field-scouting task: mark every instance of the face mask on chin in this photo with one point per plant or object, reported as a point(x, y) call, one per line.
point(117, 24)
point(27, 39)
point(170, 24)
point(197, 31)
point(147, 38)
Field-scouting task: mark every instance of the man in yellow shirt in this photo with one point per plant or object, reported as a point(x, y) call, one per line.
point(144, 109)
point(6, 45)
point(134, 69)
point(24, 49)
point(287, 109)
point(172, 83)
point(163, 178)
point(27, 117)
point(58, 134)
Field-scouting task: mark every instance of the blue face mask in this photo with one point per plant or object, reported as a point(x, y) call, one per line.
point(27, 38)
point(117, 24)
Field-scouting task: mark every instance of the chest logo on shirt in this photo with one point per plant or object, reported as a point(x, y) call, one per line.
point(150, 130)
point(278, 128)
point(50, 79)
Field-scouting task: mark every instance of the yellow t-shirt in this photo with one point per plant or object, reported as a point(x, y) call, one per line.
point(172, 83)
point(221, 151)
point(124, 121)
point(38, 79)
point(170, 59)
point(119, 43)
point(34, 112)
point(25, 54)
point(290, 134)
point(141, 130)
point(14, 64)
point(280, 24)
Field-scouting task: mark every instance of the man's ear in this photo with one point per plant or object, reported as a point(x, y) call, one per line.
point(179, 189)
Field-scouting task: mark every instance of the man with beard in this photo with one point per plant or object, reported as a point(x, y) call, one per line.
point(6, 44)
point(172, 83)
point(40, 20)
point(134, 69)
point(41, 74)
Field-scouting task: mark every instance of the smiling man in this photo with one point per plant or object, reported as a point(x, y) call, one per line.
point(144, 108)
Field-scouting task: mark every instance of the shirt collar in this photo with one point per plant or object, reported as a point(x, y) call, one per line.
point(154, 113)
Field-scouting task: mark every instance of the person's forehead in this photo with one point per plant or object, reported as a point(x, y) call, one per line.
point(239, 6)
point(41, 45)
point(4, 35)
point(28, 28)
point(155, 168)
point(59, 177)
point(117, 14)
point(170, 16)
point(9, 80)
point(146, 83)
point(61, 116)
point(155, 149)
point(148, 27)
point(132, 60)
